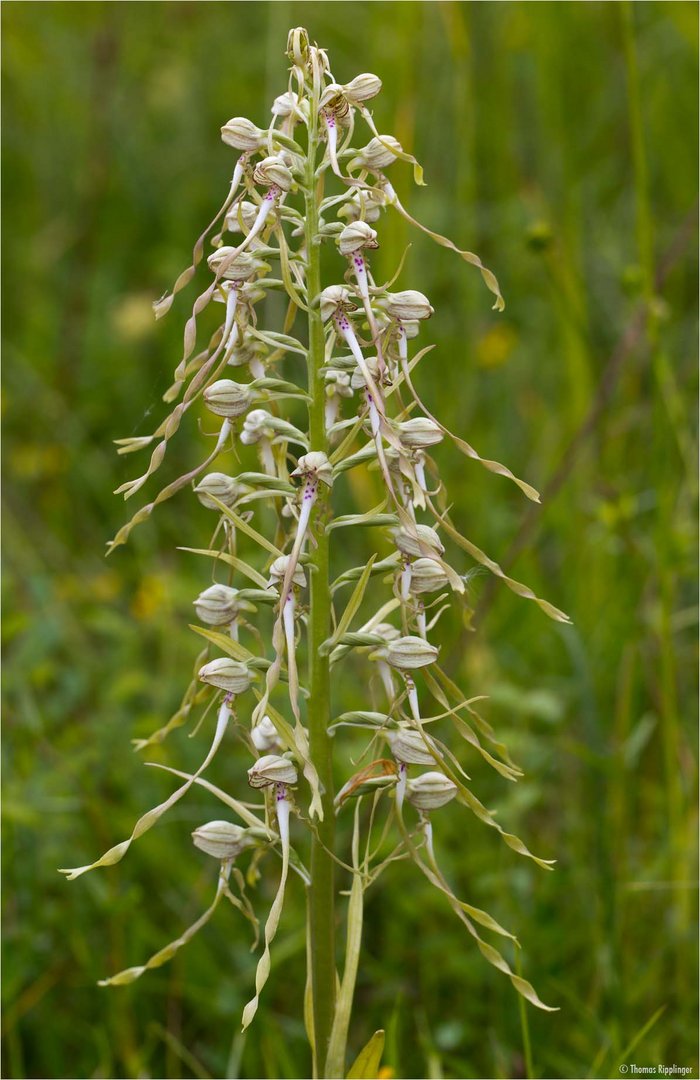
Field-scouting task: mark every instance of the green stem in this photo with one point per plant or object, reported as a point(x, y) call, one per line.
point(322, 888)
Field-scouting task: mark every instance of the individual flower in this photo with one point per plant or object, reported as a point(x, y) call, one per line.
point(274, 172)
point(228, 398)
point(335, 298)
point(357, 236)
point(419, 432)
point(232, 264)
point(418, 538)
point(220, 605)
point(221, 839)
point(362, 88)
point(278, 570)
point(217, 485)
point(427, 576)
point(315, 466)
point(265, 736)
point(271, 769)
point(408, 305)
point(430, 791)
point(377, 154)
point(242, 134)
point(409, 652)
point(411, 747)
point(226, 674)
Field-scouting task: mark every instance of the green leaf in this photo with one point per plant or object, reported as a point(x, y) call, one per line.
point(352, 607)
point(225, 643)
point(244, 527)
point(335, 1060)
point(366, 520)
point(231, 560)
point(366, 1064)
point(480, 557)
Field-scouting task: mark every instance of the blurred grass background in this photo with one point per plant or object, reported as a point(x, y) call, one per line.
point(559, 141)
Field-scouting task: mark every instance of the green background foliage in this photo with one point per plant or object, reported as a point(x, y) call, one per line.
point(558, 141)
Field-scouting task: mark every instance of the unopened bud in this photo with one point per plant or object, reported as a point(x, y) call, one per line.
point(410, 652)
point(356, 237)
point(420, 432)
point(227, 674)
point(272, 170)
point(430, 791)
point(362, 88)
point(377, 154)
point(265, 736)
point(315, 466)
point(222, 839)
point(218, 605)
point(271, 769)
point(222, 487)
point(279, 569)
point(427, 576)
point(386, 631)
point(419, 537)
point(228, 398)
point(408, 305)
point(242, 134)
point(298, 46)
point(411, 747)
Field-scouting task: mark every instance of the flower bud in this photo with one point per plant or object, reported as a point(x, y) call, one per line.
point(430, 791)
point(409, 304)
point(419, 432)
point(362, 88)
point(265, 736)
point(315, 466)
point(407, 543)
point(228, 398)
point(410, 747)
point(242, 134)
point(231, 266)
point(218, 605)
point(298, 46)
point(377, 154)
point(332, 298)
point(272, 170)
point(410, 652)
point(426, 577)
point(279, 569)
point(271, 769)
point(222, 839)
point(222, 487)
point(227, 674)
point(386, 631)
point(355, 237)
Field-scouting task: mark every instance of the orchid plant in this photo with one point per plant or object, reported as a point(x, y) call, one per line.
point(270, 680)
